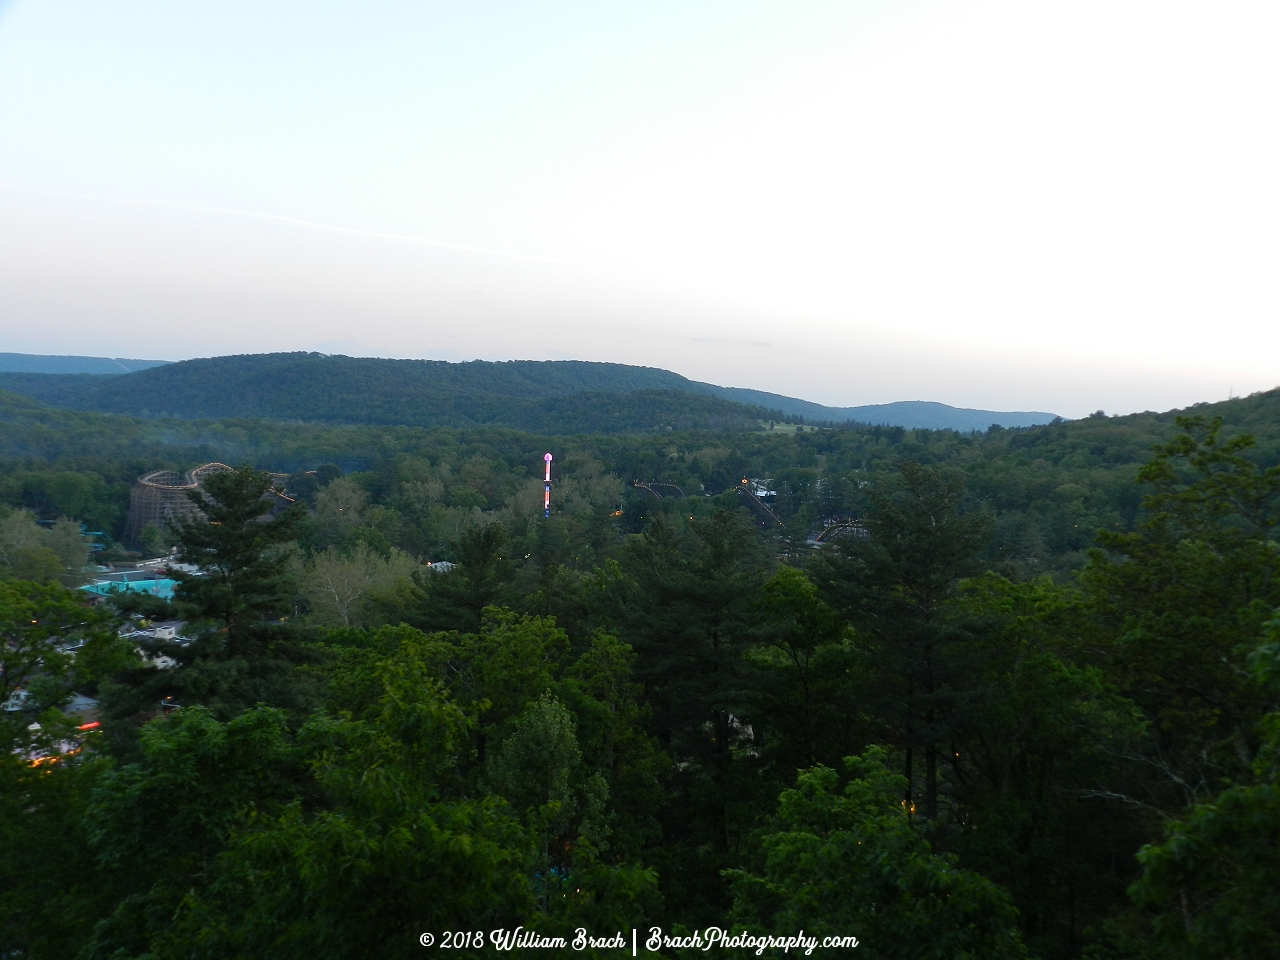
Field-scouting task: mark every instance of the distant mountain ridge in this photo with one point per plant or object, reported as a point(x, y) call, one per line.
point(517, 393)
point(928, 414)
point(40, 363)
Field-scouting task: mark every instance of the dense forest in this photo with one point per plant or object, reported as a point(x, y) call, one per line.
point(554, 396)
point(1003, 694)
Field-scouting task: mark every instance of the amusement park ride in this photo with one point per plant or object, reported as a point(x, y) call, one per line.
point(546, 490)
point(837, 527)
point(745, 488)
point(753, 491)
point(643, 485)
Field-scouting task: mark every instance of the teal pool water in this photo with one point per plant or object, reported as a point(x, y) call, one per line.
point(158, 588)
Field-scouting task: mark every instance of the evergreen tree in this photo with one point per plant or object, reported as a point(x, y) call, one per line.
point(239, 543)
point(808, 677)
point(1033, 777)
point(481, 578)
point(842, 862)
point(895, 586)
point(686, 608)
point(51, 645)
point(1180, 604)
point(1212, 886)
point(237, 604)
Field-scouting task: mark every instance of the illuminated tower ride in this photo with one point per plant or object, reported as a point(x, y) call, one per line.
point(546, 490)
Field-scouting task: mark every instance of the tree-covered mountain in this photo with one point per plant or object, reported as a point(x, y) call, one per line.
point(331, 389)
point(338, 389)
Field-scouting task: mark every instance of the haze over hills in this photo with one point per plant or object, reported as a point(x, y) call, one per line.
point(527, 394)
point(928, 414)
point(39, 363)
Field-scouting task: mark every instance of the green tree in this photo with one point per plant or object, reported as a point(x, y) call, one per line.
point(155, 540)
point(347, 590)
point(1180, 605)
point(50, 891)
point(896, 586)
point(1034, 781)
point(538, 768)
point(238, 605)
point(686, 609)
point(28, 552)
point(340, 508)
point(158, 825)
point(213, 853)
point(351, 836)
point(1212, 885)
point(599, 687)
point(510, 663)
point(849, 862)
point(240, 543)
point(519, 682)
point(538, 764)
point(688, 615)
point(51, 643)
point(807, 698)
point(456, 599)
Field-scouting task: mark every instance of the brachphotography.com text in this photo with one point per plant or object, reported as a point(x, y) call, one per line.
point(638, 942)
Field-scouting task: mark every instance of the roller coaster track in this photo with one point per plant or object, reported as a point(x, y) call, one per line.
point(745, 487)
point(643, 485)
point(836, 529)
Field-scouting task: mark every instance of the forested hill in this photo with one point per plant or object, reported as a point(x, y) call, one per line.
point(337, 389)
point(936, 686)
point(559, 397)
point(1049, 489)
point(40, 363)
point(912, 414)
point(586, 412)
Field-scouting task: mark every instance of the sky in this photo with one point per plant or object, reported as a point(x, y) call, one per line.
point(1005, 204)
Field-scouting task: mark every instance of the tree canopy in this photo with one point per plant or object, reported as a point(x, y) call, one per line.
point(883, 688)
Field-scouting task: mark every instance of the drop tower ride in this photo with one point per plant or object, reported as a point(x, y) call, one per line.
point(546, 491)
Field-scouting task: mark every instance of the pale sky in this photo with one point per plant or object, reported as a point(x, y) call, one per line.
point(998, 203)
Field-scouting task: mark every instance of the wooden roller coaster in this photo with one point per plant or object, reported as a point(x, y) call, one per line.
point(743, 490)
point(650, 487)
point(840, 528)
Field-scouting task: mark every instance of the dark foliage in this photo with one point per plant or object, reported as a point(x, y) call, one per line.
point(606, 397)
point(881, 688)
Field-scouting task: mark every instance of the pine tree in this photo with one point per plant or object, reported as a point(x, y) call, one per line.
point(237, 606)
point(894, 585)
point(240, 545)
